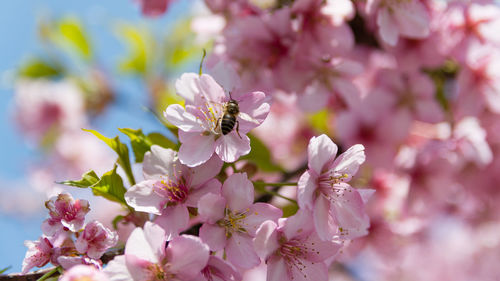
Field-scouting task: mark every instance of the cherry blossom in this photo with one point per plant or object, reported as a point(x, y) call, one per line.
point(65, 214)
point(95, 239)
point(148, 257)
point(219, 269)
point(170, 187)
point(338, 209)
point(39, 253)
point(84, 272)
point(154, 8)
point(400, 18)
point(232, 219)
point(292, 249)
point(43, 106)
point(199, 122)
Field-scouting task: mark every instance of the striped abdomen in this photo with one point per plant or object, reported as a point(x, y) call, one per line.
point(227, 123)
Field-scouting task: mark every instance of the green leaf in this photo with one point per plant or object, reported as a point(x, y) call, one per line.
point(88, 179)
point(110, 186)
point(139, 43)
point(140, 143)
point(181, 46)
point(73, 35)
point(121, 149)
point(117, 220)
point(161, 140)
point(261, 156)
point(5, 269)
point(39, 68)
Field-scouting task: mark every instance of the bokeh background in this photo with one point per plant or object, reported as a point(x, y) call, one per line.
point(21, 206)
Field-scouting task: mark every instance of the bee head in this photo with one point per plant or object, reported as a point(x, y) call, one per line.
point(232, 107)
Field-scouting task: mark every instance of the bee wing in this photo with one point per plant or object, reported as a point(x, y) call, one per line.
point(248, 118)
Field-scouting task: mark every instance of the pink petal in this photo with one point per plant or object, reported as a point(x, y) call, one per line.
point(314, 97)
point(238, 191)
point(158, 162)
point(187, 87)
point(196, 148)
point(266, 239)
point(320, 151)
point(117, 270)
point(211, 91)
point(156, 237)
point(212, 186)
point(214, 236)
point(319, 250)
point(347, 91)
point(307, 185)
point(205, 172)
point(211, 208)
point(187, 256)
point(307, 270)
point(256, 105)
point(429, 111)
point(277, 269)
point(142, 198)
point(138, 251)
point(174, 220)
point(230, 147)
point(222, 270)
point(412, 19)
point(388, 28)
point(349, 161)
point(258, 213)
point(299, 225)
point(185, 121)
point(323, 222)
point(240, 251)
point(365, 193)
point(350, 213)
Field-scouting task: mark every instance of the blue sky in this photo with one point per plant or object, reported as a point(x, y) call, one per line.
point(18, 40)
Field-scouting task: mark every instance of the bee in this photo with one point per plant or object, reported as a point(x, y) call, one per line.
point(228, 121)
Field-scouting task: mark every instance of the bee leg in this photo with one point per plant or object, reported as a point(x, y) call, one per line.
point(217, 125)
point(238, 128)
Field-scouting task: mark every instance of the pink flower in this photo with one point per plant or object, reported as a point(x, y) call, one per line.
point(42, 106)
point(466, 24)
point(84, 272)
point(219, 269)
point(170, 188)
point(65, 214)
point(411, 92)
point(231, 220)
point(293, 250)
point(338, 209)
point(67, 262)
point(95, 240)
point(154, 8)
point(39, 253)
point(400, 18)
point(479, 82)
point(148, 258)
point(199, 122)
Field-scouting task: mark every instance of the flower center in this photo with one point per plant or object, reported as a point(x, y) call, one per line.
point(210, 115)
point(158, 273)
point(294, 252)
point(233, 222)
point(175, 191)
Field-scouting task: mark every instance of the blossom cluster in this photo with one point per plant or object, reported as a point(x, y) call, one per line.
point(412, 87)
point(183, 188)
point(56, 245)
